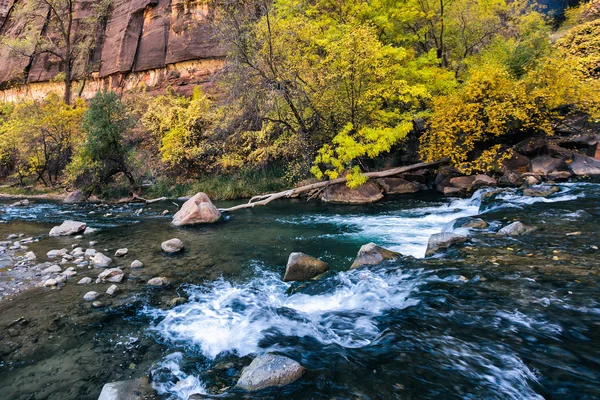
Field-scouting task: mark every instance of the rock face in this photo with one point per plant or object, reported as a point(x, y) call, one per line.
point(172, 246)
point(439, 241)
point(269, 370)
point(364, 194)
point(153, 39)
point(302, 267)
point(68, 228)
point(516, 229)
point(197, 210)
point(76, 196)
point(371, 254)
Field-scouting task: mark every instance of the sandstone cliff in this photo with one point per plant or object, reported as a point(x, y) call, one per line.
point(141, 41)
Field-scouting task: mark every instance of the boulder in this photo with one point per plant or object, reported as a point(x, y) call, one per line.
point(464, 183)
point(114, 275)
point(370, 192)
point(91, 296)
point(269, 370)
point(439, 241)
point(158, 282)
point(510, 178)
point(302, 267)
point(585, 166)
point(516, 229)
point(482, 180)
point(197, 210)
point(517, 162)
point(68, 228)
point(469, 223)
point(451, 191)
point(540, 191)
point(530, 181)
point(559, 176)
point(543, 165)
point(101, 261)
point(371, 254)
point(444, 175)
point(76, 196)
point(135, 389)
point(399, 186)
point(172, 246)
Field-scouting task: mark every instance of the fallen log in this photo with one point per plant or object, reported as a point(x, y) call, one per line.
point(263, 200)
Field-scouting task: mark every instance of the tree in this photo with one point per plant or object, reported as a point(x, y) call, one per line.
point(104, 153)
point(64, 30)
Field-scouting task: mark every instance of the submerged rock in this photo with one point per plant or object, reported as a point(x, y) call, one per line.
point(20, 203)
point(177, 301)
point(517, 228)
point(269, 370)
point(439, 241)
point(371, 254)
point(85, 281)
point(101, 261)
point(540, 191)
point(172, 246)
point(197, 210)
point(68, 228)
point(302, 267)
point(364, 194)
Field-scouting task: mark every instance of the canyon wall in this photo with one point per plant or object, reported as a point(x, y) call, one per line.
point(151, 42)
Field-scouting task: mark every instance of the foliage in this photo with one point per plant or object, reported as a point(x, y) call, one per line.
point(582, 41)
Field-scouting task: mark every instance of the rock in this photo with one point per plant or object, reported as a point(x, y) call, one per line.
point(439, 241)
point(451, 191)
point(54, 269)
point(68, 228)
point(172, 246)
point(50, 283)
point(584, 166)
point(90, 252)
point(543, 165)
point(89, 230)
point(269, 370)
point(177, 301)
point(101, 261)
point(69, 272)
point(85, 281)
point(135, 389)
point(112, 289)
point(12, 236)
point(399, 186)
point(53, 253)
point(114, 275)
point(371, 254)
point(97, 304)
point(20, 203)
point(541, 191)
point(158, 282)
point(91, 296)
point(370, 192)
point(516, 229)
point(93, 243)
point(121, 252)
point(510, 178)
point(197, 210)
point(464, 183)
point(517, 162)
point(137, 264)
point(469, 223)
point(76, 196)
point(444, 175)
point(559, 176)
point(164, 212)
point(61, 279)
point(530, 181)
point(302, 267)
point(30, 256)
point(482, 180)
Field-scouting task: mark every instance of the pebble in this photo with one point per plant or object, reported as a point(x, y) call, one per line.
point(112, 290)
point(137, 264)
point(85, 281)
point(121, 252)
point(78, 237)
point(50, 283)
point(91, 296)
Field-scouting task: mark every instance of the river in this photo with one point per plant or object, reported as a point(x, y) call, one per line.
point(494, 318)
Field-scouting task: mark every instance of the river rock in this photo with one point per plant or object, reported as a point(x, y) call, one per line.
point(114, 275)
point(371, 254)
point(69, 272)
point(482, 180)
point(90, 252)
point(135, 389)
point(30, 256)
point(76, 196)
point(370, 192)
point(68, 228)
point(172, 246)
point(530, 181)
point(177, 301)
point(439, 241)
point(302, 267)
point(91, 296)
point(158, 282)
point(444, 175)
point(85, 281)
point(584, 166)
point(137, 264)
point(53, 269)
point(121, 252)
point(464, 183)
point(269, 370)
point(112, 289)
point(399, 186)
point(543, 165)
point(50, 283)
point(468, 222)
point(451, 191)
point(20, 203)
point(540, 191)
point(101, 261)
point(517, 228)
point(53, 253)
point(559, 176)
point(197, 210)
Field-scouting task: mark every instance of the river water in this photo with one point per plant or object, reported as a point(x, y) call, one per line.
point(494, 318)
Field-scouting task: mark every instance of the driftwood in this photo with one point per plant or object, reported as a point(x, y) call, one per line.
point(265, 199)
point(135, 198)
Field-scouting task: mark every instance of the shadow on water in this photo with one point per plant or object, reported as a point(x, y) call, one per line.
point(497, 318)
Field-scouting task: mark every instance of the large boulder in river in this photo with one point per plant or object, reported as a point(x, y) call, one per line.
point(585, 166)
point(172, 246)
point(76, 196)
point(399, 186)
point(68, 228)
point(517, 228)
point(439, 241)
point(269, 370)
point(197, 210)
point(371, 254)
point(370, 192)
point(302, 267)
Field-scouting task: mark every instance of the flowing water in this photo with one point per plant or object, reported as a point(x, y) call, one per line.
point(495, 318)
